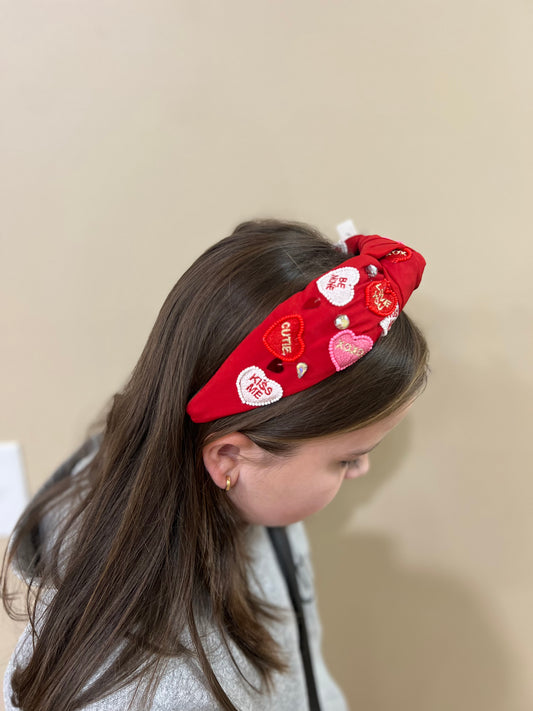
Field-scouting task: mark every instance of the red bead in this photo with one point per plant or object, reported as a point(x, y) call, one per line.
point(276, 366)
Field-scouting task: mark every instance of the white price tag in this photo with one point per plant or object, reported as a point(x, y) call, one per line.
point(347, 229)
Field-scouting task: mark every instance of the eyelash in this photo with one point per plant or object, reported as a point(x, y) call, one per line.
point(352, 463)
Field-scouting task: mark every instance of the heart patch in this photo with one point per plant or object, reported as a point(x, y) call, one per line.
point(346, 348)
point(255, 388)
point(399, 255)
point(338, 285)
point(381, 298)
point(284, 338)
point(387, 322)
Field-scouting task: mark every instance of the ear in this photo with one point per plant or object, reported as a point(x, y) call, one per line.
point(226, 455)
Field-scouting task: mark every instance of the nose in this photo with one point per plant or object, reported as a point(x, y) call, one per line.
point(364, 465)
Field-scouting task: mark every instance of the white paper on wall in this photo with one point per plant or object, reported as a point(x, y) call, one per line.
point(13, 489)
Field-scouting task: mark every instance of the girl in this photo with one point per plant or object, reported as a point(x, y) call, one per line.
point(268, 377)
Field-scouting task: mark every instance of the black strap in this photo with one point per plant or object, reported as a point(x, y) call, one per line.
point(282, 547)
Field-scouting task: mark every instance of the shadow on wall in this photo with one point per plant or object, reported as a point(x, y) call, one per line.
point(407, 638)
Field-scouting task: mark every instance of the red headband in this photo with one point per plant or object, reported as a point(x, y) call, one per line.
point(316, 332)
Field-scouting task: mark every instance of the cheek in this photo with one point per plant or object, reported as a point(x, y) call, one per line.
point(285, 497)
point(291, 509)
point(317, 494)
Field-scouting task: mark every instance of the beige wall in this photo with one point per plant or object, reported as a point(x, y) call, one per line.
point(137, 133)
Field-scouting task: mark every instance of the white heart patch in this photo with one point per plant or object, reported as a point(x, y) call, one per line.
point(337, 285)
point(255, 388)
point(387, 322)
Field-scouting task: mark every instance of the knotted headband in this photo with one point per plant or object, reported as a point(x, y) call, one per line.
point(316, 332)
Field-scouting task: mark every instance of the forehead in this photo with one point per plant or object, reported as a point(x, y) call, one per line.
point(361, 440)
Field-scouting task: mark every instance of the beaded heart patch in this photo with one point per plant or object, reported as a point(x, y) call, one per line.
point(255, 388)
point(338, 285)
point(345, 348)
point(399, 255)
point(381, 298)
point(284, 339)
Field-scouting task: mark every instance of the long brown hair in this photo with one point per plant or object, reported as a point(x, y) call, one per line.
point(151, 547)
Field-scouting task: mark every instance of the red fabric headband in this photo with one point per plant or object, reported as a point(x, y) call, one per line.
point(316, 332)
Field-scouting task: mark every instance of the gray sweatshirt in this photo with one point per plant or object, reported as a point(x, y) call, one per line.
point(182, 686)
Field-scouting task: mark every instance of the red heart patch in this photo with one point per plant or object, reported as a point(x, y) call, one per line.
point(284, 338)
point(399, 255)
point(381, 298)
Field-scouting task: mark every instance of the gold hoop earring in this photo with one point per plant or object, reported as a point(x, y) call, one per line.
point(228, 483)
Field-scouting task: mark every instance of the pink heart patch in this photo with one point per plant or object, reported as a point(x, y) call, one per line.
point(346, 348)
